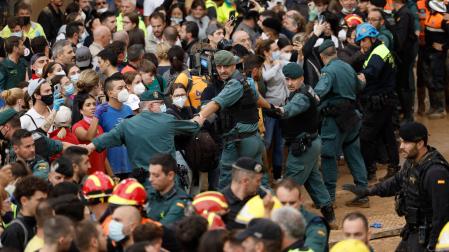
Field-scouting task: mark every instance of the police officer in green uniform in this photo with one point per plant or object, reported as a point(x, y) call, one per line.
point(10, 123)
point(337, 89)
point(299, 124)
point(239, 104)
point(146, 134)
point(166, 201)
point(317, 229)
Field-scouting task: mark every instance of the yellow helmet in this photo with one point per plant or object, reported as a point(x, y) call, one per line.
point(350, 245)
point(443, 239)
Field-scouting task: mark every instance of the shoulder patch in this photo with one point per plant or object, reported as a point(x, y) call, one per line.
point(179, 204)
point(320, 232)
point(323, 74)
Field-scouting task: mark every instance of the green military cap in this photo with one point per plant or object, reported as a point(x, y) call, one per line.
point(225, 58)
point(151, 96)
point(249, 164)
point(292, 70)
point(6, 115)
point(326, 44)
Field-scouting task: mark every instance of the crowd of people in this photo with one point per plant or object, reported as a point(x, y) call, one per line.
point(195, 125)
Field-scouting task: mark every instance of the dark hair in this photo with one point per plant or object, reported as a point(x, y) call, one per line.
point(252, 61)
point(198, 3)
point(192, 27)
point(167, 162)
point(355, 216)
point(108, 83)
point(172, 8)
point(176, 53)
point(117, 47)
point(136, 36)
point(189, 231)
point(240, 51)
point(109, 55)
point(64, 188)
point(263, 46)
point(105, 15)
point(22, 5)
point(57, 79)
point(81, 98)
point(12, 22)
point(50, 67)
point(85, 231)
point(152, 58)
point(134, 18)
point(72, 7)
point(147, 232)
point(378, 3)
point(147, 67)
point(158, 15)
point(68, 205)
point(28, 186)
point(213, 240)
point(176, 86)
point(38, 44)
point(170, 33)
point(11, 42)
point(72, 28)
point(19, 135)
point(75, 153)
point(283, 42)
point(19, 169)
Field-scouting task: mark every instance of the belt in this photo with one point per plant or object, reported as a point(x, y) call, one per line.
point(311, 137)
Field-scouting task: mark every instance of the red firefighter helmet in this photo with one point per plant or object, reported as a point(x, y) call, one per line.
point(97, 185)
point(352, 20)
point(209, 202)
point(215, 221)
point(129, 192)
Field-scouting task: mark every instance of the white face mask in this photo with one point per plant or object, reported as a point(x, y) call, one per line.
point(180, 101)
point(276, 55)
point(102, 10)
point(39, 71)
point(60, 73)
point(163, 108)
point(123, 95)
point(286, 56)
point(139, 88)
point(17, 34)
point(74, 78)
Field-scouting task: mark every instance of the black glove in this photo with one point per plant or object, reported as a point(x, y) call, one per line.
point(273, 112)
point(359, 191)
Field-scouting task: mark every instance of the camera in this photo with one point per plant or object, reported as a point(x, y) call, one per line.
point(202, 63)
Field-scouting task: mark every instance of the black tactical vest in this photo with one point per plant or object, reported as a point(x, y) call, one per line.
point(307, 121)
point(243, 111)
point(418, 206)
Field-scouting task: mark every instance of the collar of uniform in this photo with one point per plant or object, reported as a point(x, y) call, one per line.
point(230, 196)
point(234, 74)
point(332, 60)
point(298, 244)
point(169, 194)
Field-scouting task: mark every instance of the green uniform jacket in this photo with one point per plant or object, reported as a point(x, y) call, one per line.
point(316, 232)
point(386, 36)
point(231, 93)
point(167, 208)
point(146, 134)
point(338, 80)
point(11, 73)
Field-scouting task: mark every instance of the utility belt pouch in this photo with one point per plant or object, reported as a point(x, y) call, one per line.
point(412, 216)
point(347, 116)
point(422, 234)
point(300, 145)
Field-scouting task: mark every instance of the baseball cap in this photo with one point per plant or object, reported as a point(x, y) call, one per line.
point(34, 84)
point(261, 228)
point(6, 115)
point(63, 166)
point(83, 57)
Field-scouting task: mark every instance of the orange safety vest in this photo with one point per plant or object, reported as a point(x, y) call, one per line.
point(423, 13)
point(434, 22)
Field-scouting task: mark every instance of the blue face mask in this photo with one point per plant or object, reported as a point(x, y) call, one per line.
point(69, 90)
point(116, 231)
point(163, 108)
point(276, 55)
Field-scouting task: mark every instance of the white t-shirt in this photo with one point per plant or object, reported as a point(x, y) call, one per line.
point(32, 120)
point(150, 5)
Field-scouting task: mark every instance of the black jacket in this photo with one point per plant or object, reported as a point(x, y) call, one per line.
point(51, 20)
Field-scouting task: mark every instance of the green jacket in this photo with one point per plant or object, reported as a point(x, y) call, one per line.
point(317, 233)
point(167, 208)
point(386, 36)
point(11, 73)
point(146, 134)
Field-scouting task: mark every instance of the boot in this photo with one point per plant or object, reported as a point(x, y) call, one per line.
point(439, 106)
point(391, 171)
point(329, 214)
point(358, 202)
point(371, 174)
point(421, 100)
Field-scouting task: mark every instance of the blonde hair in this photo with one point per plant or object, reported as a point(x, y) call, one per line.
point(88, 80)
point(12, 95)
point(162, 50)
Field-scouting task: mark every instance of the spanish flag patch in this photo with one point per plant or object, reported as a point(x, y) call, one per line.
point(441, 182)
point(179, 204)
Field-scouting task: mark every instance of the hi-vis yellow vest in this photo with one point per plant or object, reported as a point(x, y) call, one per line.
point(383, 53)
